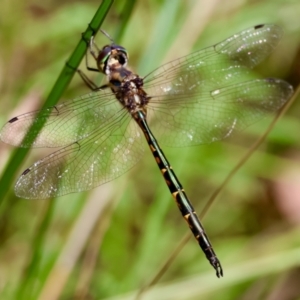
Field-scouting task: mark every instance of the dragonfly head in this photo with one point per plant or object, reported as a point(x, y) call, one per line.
point(112, 57)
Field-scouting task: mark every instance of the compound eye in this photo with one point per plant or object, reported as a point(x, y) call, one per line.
point(104, 54)
point(122, 58)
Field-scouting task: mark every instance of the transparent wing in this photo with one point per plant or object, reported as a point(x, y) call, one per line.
point(217, 114)
point(199, 98)
point(207, 95)
point(68, 122)
point(217, 65)
point(104, 155)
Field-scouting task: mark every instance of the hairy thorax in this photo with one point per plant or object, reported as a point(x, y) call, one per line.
point(128, 88)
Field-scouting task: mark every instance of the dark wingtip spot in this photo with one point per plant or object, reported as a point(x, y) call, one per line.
point(13, 120)
point(259, 26)
point(26, 171)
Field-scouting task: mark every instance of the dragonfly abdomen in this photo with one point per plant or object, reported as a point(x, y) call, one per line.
point(179, 195)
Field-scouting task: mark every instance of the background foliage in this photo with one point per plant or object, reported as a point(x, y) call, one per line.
point(112, 240)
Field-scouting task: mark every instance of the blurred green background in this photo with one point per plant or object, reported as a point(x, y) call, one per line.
point(111, 241)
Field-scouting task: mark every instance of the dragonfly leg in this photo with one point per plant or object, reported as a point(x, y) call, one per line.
point(90, 83)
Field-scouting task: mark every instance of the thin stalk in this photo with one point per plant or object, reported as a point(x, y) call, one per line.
point(26, 289)
point(59, 87)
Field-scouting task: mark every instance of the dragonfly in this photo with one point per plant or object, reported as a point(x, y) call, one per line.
point(200, 98)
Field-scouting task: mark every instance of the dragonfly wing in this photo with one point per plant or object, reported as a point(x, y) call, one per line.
point(217, 65)
point(207, 95)
point(64, 123)
point(205, 117)
point(104, 155)
point(250, 47)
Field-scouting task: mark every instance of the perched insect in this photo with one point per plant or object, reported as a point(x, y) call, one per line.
point(200, 98)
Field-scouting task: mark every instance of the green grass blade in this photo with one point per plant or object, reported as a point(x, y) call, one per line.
point(26, 289)
point(125, 16)
point(59, 87)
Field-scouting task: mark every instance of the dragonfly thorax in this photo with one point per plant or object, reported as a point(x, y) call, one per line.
point(128, 88)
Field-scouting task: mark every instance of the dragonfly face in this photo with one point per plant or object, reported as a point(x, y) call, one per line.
point(111, 57)
point(200, 98)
